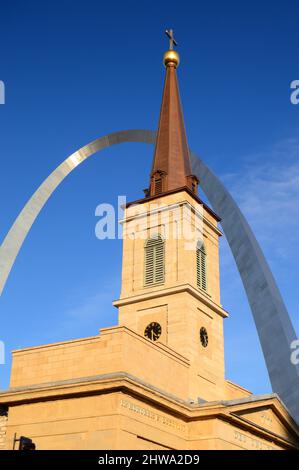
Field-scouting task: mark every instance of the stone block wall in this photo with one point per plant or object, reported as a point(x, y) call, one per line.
point(3, 426)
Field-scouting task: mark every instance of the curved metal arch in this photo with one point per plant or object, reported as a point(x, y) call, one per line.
point(15, 238)
point(274, 326)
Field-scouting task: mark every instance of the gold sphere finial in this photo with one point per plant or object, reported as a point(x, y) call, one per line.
point(171, 57)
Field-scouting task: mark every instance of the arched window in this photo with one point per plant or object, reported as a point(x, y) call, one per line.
point(201, 266)
point(154, 260)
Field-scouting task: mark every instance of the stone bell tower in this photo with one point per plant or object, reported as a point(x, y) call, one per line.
point(156, 381)
point(170, 275)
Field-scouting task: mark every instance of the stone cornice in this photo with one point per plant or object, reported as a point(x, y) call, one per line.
point(170, 207)
point(130, 385)
point(200, 295)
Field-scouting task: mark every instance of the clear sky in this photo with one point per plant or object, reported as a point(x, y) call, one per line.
point(77, 70)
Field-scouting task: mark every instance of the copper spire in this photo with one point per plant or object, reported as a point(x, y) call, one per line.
point(171, 166)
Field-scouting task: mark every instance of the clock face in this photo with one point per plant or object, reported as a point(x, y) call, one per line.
point(204, 339)
point(153, 331)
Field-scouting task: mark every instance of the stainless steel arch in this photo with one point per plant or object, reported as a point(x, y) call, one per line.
point(274, 326)
point(15, 237)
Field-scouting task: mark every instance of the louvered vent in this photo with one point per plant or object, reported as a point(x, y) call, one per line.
point(154, 261)
point(158, 186)
point(201, 267)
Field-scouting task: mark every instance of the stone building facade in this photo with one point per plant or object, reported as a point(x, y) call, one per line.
point(157, 380)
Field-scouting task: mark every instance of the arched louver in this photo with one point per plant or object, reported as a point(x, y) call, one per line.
point(158, 186)
point(201, 267)
point(154, 261)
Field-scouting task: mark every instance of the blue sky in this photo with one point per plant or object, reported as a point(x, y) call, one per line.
point(75, 71)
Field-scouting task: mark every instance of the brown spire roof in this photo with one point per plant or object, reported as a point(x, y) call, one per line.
point(171, 165)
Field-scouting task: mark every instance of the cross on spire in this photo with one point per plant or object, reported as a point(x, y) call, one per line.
point(171, 169)
point(172, 41)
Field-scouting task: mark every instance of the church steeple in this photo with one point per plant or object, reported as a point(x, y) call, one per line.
point(171, 165)
point(170, 290)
